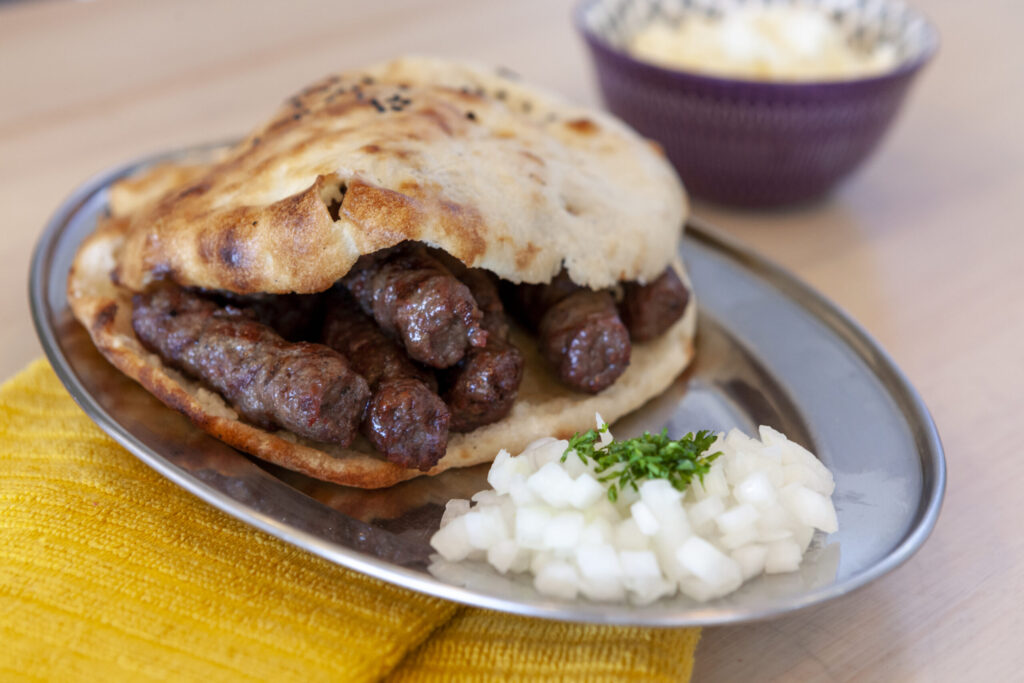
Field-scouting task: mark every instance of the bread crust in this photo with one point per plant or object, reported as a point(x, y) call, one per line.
point(501, 175)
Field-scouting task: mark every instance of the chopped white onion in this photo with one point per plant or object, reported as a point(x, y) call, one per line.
point(755, 512)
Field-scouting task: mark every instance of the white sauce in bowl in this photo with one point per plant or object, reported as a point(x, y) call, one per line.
point(767, 42)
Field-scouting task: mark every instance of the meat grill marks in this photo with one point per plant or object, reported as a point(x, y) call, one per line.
point(579, 332)
point(414, 298)
point(405, 419)
point(482, 387)
point(649, 310)
point(306, 388)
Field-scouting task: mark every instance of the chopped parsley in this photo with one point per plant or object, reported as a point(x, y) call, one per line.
point(651, 456)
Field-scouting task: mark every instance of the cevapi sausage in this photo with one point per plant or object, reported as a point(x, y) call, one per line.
point(579, 331)
point(584, 340)
point(415, 299)
point(308, 389)
point(405, 419)
point(649, 310)
point(482, 387)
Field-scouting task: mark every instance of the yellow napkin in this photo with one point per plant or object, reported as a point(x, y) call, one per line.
point(110, 572)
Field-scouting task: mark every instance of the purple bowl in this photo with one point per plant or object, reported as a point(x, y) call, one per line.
point(755, 143)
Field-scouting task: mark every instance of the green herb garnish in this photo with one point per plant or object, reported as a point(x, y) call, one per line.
point(646, 457)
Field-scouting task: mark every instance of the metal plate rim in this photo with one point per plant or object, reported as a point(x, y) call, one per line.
point(930, 446)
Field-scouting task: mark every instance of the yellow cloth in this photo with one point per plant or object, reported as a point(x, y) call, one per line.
point(110, 572)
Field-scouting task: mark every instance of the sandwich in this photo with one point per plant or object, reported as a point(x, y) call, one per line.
point(406, 269)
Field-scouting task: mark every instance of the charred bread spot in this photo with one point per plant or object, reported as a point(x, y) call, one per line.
point(570, 207)
point(230, 250)
point(104, 317)
point(525, 256)
point(582, 126)
point(437, 119)
point(196, 190)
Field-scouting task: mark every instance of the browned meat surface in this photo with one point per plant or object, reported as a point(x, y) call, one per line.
point(649, 310)
point(306, 388)
point(584, 340)
point(579, 331)
point(356, 336)
point(405, 420)
point(408, 423)
point(415, 299)
point(482, 387)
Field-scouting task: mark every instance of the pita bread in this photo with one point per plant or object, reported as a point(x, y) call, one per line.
point(159, 226)
point(501, 175)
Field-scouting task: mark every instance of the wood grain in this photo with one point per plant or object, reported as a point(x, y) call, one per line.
point(924, 247)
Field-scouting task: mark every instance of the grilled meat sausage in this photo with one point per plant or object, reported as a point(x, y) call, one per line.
point(306, 388)
point(649, 310)
point(414, 298)
point(408, 423)
point(579, 331)
point(482, 387)
point(584, 340)
point(405, 419)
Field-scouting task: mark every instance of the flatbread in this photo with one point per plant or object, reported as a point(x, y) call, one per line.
point(279, 183)
point(501, 175)
point(544, 407)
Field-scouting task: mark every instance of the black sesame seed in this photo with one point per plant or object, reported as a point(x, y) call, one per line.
point(377, 105)
point(471, 116)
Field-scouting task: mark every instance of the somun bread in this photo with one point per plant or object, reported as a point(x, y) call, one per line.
point(467, 159)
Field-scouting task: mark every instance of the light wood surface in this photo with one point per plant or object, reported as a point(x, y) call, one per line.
point(924, 247)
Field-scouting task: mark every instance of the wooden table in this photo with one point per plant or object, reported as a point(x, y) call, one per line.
point(924, 246)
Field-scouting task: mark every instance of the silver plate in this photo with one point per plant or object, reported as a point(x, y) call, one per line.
point(769, 351)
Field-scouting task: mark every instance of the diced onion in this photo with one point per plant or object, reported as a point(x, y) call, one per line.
point(755, 512)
